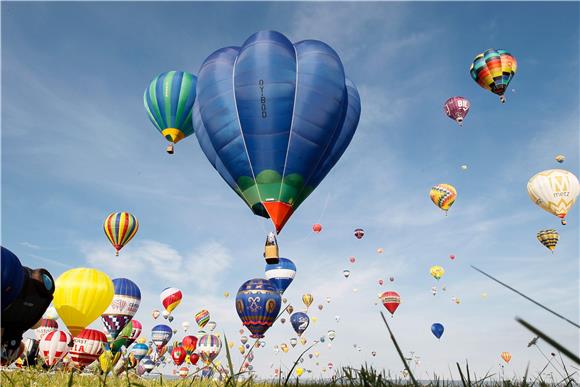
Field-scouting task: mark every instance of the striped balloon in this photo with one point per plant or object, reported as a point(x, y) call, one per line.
point(443, 196)
point(170, 298)
point(46, 326)
point(493, 70)
point(160, 335)
point(136, 329)
point(549, 238)
point(87, 347)
point(209, 347)
point(168, 101)
point(202, 318)
point(123, 307)
point(54, 346)
point(139, 350)
point(120, 228)
point(281, 273)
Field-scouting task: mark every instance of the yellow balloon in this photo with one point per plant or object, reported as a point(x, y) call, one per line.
point(299, 371)
point(437, 272)
point(314, 320)
point(141, 340)
point(307, 299)
point(230, 344)
point(242, 349)
point(81, 296)
point(443, 196)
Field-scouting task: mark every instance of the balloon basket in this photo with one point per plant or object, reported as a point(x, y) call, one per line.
point(169, 149)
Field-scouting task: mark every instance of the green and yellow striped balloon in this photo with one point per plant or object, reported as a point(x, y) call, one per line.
point(168, 101)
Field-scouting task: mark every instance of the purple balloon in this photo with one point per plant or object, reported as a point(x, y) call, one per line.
point(456, 108)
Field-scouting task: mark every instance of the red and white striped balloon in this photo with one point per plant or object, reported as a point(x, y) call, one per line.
point(170, 298)
point(87, 347)
point(46, 326)
point(54, 346)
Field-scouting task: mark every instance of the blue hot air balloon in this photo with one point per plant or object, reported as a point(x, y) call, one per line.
point(139, 351)
point(160, 335)
point(123, 307)
point(148, 364)
point(258, 303)
point(437, 330)
point(281, 273)
point(273, 117)
point(300, 322)
point(12, 277)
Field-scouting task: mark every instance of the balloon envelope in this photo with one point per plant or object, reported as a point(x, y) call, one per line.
point(300, 322)
point(126, 300)
point(493, 70)
point(437, 329)
point(555, 191)
point(81, 296)
point(120, 228)
point(273, 118)
point(281, 273)
point(258, 303)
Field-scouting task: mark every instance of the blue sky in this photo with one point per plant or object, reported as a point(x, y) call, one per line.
point(76, 145)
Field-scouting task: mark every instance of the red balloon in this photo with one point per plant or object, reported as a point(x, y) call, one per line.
point(87, 347)
point(452, 256)
point(317, 228)
point(359, 233)
point(189, 343)
point(391, 301)
point(352, 259)
point(193, 358)
point(178, 355)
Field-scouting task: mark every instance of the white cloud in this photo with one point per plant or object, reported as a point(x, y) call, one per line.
point(200, 268)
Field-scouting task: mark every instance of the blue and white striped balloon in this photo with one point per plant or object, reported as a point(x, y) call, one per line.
point(281, 273)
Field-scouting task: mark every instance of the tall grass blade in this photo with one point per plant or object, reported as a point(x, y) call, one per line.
point(232, 377)
point(70, 379)
point(400, 352)
point(549, 340)
point(461, 375)
point(296, 362)
point(526, 297)
point(5, 375)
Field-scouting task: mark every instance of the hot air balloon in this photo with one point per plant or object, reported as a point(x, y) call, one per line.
point(346, 273)
point(320, 306)
point(359, 233)
point(82, 295)
point(185, 325)
point(493, 70)
point(285, 122)
point(307, 299)
point(328, 300)
point(46, 326)
point(211, 325)
point(126, 300)
point(209, 347)
point(87, 347)
point(352, 259)
point(178, 355)
point(390, 300)
point(331, 334)
point(560, 158)
point(555, 191)
point(506, 356)
point(452, 257)
point(281, 273)
point(160, 335)
point(54, 346)
point(168, 101)
point(380, 250)
point(464, 167)
point(226, 294)
point(290, 309)
point(282, 320)
point(300, 322)
point(193, 358)
point(374, 353)
point(443, 196)
point(456, 108)
point(284, 347)
point(244, 339)
point(258, 303)
point(317, 228)
point(548, 238)
point(437, 329)
point(381, 282)
point(391, 279)
point(147, 364)
point(139, 350)
point(183, 372)
point(170, 298)
point(299, 371)
point(437, 272)
point(202, 318)
point(165, 314)
point(155, 314)
point(293, 342)
point(120, 228)
point(189, 343)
